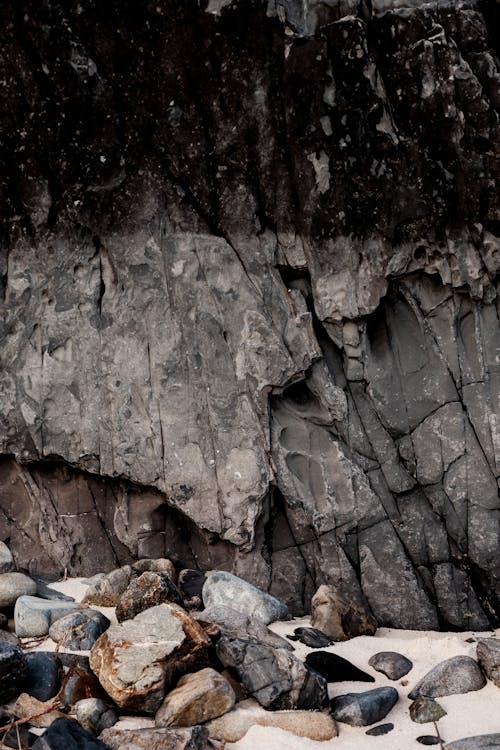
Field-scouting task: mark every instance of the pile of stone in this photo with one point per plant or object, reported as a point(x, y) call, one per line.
point(194, 652)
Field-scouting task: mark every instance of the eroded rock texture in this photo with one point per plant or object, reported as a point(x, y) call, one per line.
point(249, 312)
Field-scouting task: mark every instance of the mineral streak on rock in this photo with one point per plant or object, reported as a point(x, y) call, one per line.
point(248, 304)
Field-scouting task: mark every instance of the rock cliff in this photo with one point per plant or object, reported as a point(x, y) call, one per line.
point(249, 312)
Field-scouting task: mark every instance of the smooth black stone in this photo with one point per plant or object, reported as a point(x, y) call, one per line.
point(381, 729)
point(13, 671)
point(65, 734)
point(428, 739)
point(44, 592)
point(311, 637)
point(335, 668)
point(43, 678)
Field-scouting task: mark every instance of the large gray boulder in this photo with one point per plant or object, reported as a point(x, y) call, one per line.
point(459, 674)
point(223, 589)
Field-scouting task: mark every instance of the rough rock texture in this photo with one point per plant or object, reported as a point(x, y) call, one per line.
point(459, 674)
point(340, 617)
point(479, 742)
point(249, 314)
point(197, 698)
point(194, 738)
point(488, 656)
point(362, 709)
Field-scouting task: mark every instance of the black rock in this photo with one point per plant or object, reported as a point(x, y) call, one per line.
point(381, 729)
point(13, 671)
point(362, 709)
point(43, 678)
point(190, 583)
point(311, 637)
point(335, 668)
point(65, 734)
point(428, 739)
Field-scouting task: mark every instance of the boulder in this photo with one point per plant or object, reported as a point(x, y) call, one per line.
point(33, 616)
point(95, 715)
point(338, 617)
point(190, 585)
point(65, 734)
point(311, 637)
point(147, 591)
point(424, 710)
point(488, 656)
point(6, 560)
point(192, 738)
point(231, 622)
point(14, 585)
point(478, 742)
point(197, 698)
point(43, 676)
point(13, 671)
point(273, 676)
point(79, 630)
point(362, 709)
point(136, 661)
point(459, 674)
point(223, 589)
point(390, 663)
point(105, 589)
point(316, 725)
point(335, 668)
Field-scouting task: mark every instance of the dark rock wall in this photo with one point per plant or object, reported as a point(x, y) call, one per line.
point(249, 312)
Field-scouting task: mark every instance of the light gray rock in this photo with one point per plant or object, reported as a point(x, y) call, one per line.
point(94, 715)
point(79, 630)
point(6, 559)
point(234, 623)
point(390, 663)
point(223, 589)
point(33, 616)
point(488, 656)
point(363, 709)
point(14, 585)
point(459, 674)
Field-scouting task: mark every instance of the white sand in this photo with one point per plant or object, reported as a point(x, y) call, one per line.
point(469, 714)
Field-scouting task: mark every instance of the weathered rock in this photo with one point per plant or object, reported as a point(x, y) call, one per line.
point(311, 637)
point(223, 589)
point(488, 656)
point(380, 730)
point(94, 715)
point(138, 660)
point(43, 675)
point(338, 617)
point(156, 565)
point(14, 585)
point(105, 589)
point(459, 674)
point(149, 590)
point(33, 616)
point(231, 622)
point(335, 668)
point(196, 699)
point(79, 630)
point(65, 734)
point(27, 706)
point(13, 671)
point(194, 738)
point(316, 725)
point(80, 683)
point(478, 742)
point(390, 663)
point(362, 709)
point(191, 584)
point(6, 560)
point(273, 676)
point(423, 710)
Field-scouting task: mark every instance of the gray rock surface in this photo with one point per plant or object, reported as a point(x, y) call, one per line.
point(33, 616)
point(192, 738)
point(148, 590)
point(363, 709)
point(79, 630)
point(6, 559)
point(249, 308)
point(390, 663)
point(42, 678)
point(488, 656)
point(479, 742)
point(14, 585)
point(223, 589)
point(236, 624)
point(424, 710)
point(13, 671)
point(459, 674)
point(94, 715)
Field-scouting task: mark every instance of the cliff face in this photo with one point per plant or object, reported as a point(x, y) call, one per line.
point(249, 311)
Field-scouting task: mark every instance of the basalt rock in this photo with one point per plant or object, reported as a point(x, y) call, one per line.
point(249, 295)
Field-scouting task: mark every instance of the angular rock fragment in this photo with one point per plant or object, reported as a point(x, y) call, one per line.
point(33, 616)
point(335, 668)
point(423, 710)
point(390, 663)
point(273, 676)
point(488, 656)
point(362, 709)
point(459, 674)
point(65, 734)
point(339, 618)
point(197, 698)
point(79, 630)
point(194, 738)
point(311, 637)
point(231, 727)
point(149, 590)
point(138, 660)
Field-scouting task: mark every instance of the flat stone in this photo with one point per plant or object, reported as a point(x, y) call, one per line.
point(335, 668)
point(136, 661)
point(488, 656)
point(273, 676)
point(65, 734)
point(238, 625)
point(14, 585)
point(223, 589)
point(197, 698)
point(380, 730)
point(42, 679)
point(79, 630)
point(190, 585)
point(315, 725)
point(192, 738)
point(311, 637)
point(6, 560)
point(338, 617)
point(460, 674)
point(147, 591)
point(390, 663)
point(13, 671)
point(33, 616)
point(94, 715)
point(424, 710)
point(362, 709)
point(478, 742)
point(105, 589)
